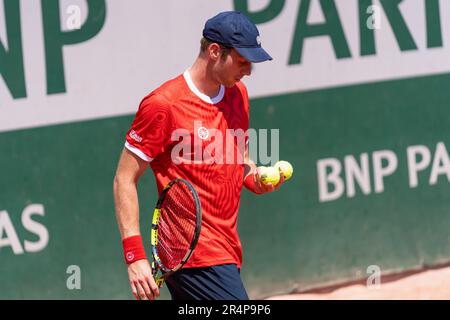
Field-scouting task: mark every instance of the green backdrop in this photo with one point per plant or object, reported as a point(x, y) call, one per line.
point(291, 240)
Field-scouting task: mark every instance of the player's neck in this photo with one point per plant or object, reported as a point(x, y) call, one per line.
point(203, 80)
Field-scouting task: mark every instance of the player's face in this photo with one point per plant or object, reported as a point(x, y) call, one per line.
point(233, 68)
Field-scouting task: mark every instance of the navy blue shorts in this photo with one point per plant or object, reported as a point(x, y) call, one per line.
point(221, 282)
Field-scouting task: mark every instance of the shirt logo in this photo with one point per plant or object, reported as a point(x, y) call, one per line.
point(203, 133)
point(135, 136)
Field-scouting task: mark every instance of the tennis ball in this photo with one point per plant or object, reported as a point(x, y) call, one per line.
point(269, 175)
point(286, 169)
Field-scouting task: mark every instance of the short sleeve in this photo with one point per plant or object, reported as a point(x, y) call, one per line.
point(150, 131)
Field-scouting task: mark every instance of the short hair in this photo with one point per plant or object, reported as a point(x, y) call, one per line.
point(204, 44)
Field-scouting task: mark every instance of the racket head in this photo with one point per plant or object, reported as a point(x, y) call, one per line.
point(176, 227)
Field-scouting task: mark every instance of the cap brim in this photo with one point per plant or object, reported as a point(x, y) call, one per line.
point(254, 54)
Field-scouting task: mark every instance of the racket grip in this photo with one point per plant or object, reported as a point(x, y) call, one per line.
point(157, 274)
point(160, 282)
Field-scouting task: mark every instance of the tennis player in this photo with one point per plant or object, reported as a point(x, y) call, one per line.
point(210, 93)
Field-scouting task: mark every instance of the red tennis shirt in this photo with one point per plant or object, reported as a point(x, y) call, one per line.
point(185, 134)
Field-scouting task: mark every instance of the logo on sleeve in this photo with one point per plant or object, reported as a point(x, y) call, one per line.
point(135, 136)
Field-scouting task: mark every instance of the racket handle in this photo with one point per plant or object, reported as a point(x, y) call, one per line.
point(157, 274)
point(160, 282)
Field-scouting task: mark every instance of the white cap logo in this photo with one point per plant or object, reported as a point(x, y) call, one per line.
point(203, 133)
point(258, 40)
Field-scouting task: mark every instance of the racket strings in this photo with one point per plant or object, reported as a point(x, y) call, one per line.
point(165, 250)
point(177, 225)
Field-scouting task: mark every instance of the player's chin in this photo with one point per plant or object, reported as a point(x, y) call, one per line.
point(231, 83)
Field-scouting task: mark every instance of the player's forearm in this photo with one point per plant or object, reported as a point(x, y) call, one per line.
point(127, 207)
point(249, 167)
point(250, 183)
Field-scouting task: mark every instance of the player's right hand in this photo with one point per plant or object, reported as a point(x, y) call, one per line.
point(143, 285)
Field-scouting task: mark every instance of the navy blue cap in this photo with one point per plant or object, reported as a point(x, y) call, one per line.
point(233, 29)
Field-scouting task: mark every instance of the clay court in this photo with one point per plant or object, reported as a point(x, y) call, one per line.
point(426, 285)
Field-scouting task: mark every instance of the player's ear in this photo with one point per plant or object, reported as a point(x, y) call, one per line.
point(214, 51)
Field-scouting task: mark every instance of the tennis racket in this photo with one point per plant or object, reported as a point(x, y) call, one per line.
point(176, 226)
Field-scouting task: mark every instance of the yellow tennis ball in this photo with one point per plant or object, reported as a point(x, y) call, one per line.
point(269, 175)
point(286, 168)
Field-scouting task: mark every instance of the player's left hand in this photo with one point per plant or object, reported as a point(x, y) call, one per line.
point(266, 188)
